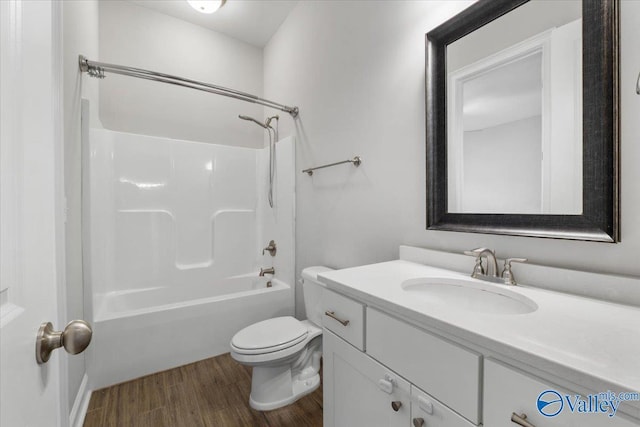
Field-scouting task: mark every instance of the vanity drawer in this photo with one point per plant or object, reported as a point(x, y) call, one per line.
point(344, 317)
point(433, 413)
point(445, 370)
point(508, 390)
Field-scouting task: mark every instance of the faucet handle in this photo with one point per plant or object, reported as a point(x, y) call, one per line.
point(271, 248)
point(507, 274)
point(476, 251)
point(478, 269)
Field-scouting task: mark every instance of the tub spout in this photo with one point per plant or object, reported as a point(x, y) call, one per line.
point(269, 270)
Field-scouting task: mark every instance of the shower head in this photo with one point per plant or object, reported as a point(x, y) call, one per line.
point(266, 124)
point(251, 119)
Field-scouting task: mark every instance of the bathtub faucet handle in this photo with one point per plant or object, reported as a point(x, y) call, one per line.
point(269, 270)
point(271, 248)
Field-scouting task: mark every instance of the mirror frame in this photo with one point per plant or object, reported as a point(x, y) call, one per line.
point(599, 220)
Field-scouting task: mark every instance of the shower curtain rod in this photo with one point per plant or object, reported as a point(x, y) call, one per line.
point(97, 69)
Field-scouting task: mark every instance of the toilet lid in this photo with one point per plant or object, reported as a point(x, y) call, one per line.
point(270, 334)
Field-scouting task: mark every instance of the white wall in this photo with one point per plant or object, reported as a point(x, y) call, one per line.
point(135, 36)
point(80, 36)
point(356, 70)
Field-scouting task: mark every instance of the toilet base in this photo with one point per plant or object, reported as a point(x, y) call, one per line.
point(280, 378)
point(275, 388)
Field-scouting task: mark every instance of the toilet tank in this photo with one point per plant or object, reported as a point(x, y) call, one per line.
point(312, 293)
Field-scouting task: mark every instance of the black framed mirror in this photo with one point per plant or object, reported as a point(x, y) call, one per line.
point(523, 133)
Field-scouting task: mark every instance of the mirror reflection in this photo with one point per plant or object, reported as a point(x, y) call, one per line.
point(514, 113)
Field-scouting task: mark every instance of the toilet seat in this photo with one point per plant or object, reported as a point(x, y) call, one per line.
point(269, 336)
point(271, 355)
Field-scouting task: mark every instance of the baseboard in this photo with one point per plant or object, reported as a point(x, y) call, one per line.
point(80, 405)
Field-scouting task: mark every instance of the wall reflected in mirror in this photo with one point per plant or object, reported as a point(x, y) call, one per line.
point(514, 113)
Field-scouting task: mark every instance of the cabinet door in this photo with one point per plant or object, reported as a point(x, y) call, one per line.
point(359, 391)
point(447, 371)
point(508, 391)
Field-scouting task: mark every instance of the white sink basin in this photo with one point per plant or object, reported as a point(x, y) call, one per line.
point(467, 295)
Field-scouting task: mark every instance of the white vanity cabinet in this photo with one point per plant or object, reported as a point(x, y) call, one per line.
point(370, 388)
point(508, 390)
point(466, 366)
point(358, 391)
point(382, 371)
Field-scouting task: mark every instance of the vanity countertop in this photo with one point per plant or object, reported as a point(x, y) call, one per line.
point(592, 343)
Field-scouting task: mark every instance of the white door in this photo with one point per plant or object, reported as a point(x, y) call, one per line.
point(358, 391)
point(30, 212)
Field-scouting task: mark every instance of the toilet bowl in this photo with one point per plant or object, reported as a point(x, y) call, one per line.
point(283, 351)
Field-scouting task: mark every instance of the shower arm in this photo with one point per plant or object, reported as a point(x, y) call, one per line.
point(268, 121)
point(251, 119)
point(98, 69)
point(266, 124)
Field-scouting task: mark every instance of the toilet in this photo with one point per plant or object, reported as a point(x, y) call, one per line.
point(284, 352)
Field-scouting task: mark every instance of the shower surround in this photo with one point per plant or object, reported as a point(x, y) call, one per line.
point(175, 237)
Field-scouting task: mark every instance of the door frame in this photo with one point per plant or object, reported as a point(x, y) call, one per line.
point(57, 59)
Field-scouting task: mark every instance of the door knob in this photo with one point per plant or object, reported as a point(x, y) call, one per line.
point(75, 338)
point(396, 405)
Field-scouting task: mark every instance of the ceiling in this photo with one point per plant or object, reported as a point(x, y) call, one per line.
point(252, 21)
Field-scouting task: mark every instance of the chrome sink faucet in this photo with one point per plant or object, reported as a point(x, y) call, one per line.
point(492, 263)
point(269, 270)
point(491, 273)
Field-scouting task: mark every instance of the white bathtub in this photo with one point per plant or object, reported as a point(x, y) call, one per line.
point(148, 330)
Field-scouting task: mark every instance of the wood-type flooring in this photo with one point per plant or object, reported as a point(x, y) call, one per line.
point(209, 393)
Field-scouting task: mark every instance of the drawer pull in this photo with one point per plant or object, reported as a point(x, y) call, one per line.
point(334, 317)
point(418, 422)
point(521, 420)
point(396, 405)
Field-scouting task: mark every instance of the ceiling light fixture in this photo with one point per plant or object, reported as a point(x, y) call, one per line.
point(206, 6)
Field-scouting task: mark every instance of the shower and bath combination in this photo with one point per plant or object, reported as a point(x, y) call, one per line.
point(170, 241)
point(272, 147)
